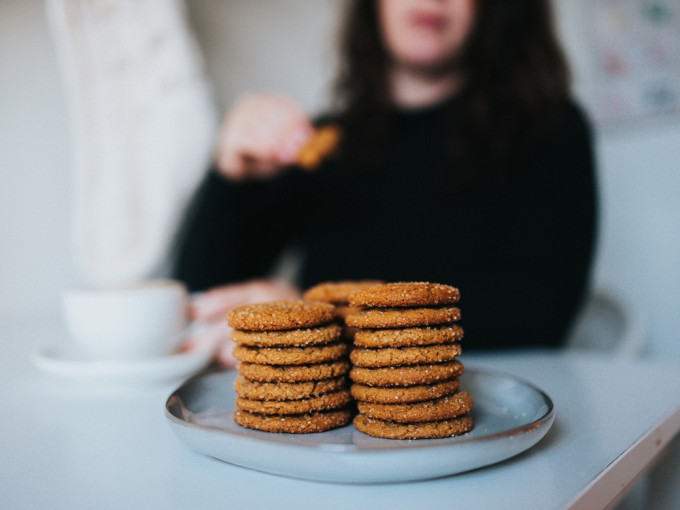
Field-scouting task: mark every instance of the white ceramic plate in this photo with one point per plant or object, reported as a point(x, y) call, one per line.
point(510, 416)
point(66, 360)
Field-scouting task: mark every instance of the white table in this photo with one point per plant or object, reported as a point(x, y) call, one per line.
point(67, 445)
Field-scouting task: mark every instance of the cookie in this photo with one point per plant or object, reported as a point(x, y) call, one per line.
point(406, 375)
point(287, 391)
point(389, 357)
point(294, 424)
point(321, 144)
point(291, 355)
point(291, 373)
point(323, 402)
point(416, 393)
point(401, 294)
point(279, 315)
point(404, 337)
point(442, 408)
point(292, 337)
point(337, 292)
point(427, 430)
point(402, 317)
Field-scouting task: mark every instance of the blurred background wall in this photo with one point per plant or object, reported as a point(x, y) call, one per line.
point(287, 46)
point(35, 164)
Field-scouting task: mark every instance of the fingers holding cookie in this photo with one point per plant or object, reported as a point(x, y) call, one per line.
point(261, 135)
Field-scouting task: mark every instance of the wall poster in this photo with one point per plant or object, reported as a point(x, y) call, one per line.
point(637, 57)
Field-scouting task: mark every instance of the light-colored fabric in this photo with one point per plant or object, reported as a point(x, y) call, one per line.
point(144, 128)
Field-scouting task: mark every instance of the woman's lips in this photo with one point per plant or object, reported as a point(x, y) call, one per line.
point(428, 21)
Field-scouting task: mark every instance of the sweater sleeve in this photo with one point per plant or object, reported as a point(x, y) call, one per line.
point(546, 246)
point(236, 231)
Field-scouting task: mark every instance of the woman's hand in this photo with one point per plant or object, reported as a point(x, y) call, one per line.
point(261, 135)
point(209, 309)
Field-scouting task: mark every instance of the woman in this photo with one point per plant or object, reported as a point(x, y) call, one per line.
point(462, 161)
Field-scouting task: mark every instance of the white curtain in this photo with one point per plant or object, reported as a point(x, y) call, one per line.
point(144, 127)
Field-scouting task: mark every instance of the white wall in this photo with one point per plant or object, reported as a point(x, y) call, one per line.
point(639, 171)
point(35, 261)
point(640, 243)
point(287, 47)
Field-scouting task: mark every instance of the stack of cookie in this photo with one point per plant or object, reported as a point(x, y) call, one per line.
point(292, 370)
point(405, 372)
point(337, 293)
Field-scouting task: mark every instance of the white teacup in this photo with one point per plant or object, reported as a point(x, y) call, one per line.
point(137, 321)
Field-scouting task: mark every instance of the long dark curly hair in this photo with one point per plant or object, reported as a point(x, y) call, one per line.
point(516, 83)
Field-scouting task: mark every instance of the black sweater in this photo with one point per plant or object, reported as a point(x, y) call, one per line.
point(519, 253)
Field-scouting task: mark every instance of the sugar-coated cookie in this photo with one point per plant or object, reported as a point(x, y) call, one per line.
point(394, 395)
point(408, 337)
point(406, 375)
point(287, 338)
point(321, 144)
point(291, 355)
point(427, 430)
point(322, 402)
point(279, 315)
point(287, 391)
point(442, 408)
point(294, 424)
point(402, 317)
point(405, 294)
point(395, 356)
point(337, 292)
point(292, 373)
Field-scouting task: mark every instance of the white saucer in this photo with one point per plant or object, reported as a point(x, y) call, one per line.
point(69, 361)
